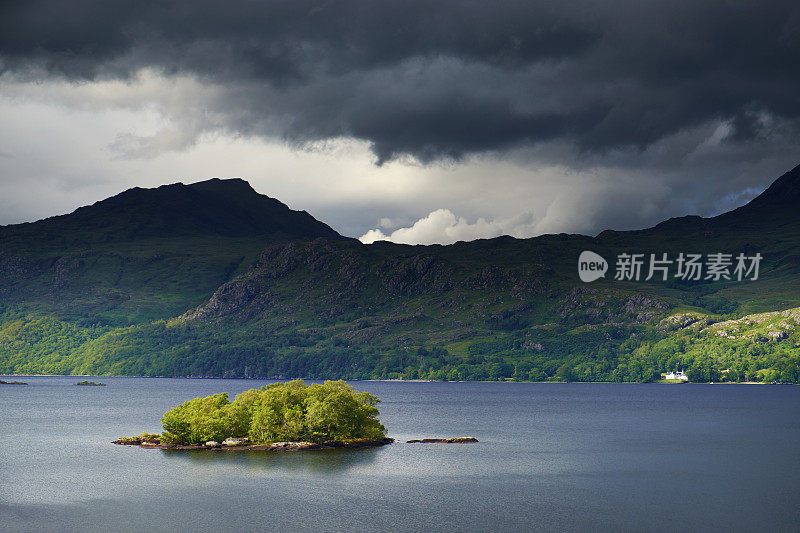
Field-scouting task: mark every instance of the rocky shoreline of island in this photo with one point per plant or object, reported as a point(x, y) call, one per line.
point(153, 442)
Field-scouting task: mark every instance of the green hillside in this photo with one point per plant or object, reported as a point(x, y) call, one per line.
point(212, 279)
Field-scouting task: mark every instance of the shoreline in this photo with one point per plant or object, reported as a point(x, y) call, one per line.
point(273, 447)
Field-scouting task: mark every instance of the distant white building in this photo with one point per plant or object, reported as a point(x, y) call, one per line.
point(677, 375)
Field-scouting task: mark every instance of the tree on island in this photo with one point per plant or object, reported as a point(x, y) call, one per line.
point(290, 411)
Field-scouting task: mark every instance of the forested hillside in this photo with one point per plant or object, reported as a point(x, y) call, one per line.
point(213, 279)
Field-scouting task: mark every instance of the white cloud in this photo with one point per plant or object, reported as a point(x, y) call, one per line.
point(373, 235)
point(444, 227)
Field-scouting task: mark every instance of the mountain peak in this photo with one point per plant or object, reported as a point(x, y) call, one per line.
point(221, 207)
point(783, 194)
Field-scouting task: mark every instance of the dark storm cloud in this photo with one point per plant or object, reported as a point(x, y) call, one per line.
point(442, 78)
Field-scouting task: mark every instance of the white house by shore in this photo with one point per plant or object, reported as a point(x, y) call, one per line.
point(677, 375)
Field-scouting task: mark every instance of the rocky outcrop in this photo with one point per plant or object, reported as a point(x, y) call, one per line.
point(591, 305)
point(777, 335)
point(406, 275)
point(682, 321)
point(452, 440)
point(142, 439)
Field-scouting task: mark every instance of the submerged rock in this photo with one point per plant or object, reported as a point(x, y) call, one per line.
point(452, 440)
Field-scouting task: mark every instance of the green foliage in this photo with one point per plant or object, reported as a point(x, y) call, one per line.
point(703, 371)
point(278, 412)
point(335, 411)
point(632, 353)
point(203, 419)
point(153, 438)
point(290, 411)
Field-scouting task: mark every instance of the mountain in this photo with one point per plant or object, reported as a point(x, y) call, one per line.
point(144, 253)
point(212, 279)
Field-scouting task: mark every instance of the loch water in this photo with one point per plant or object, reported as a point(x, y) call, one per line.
point(550, 457)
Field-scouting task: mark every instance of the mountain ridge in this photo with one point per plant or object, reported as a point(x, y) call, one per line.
point(210, 304)
point(782, 193)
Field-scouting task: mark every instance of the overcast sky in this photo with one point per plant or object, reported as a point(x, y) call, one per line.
point(419, 121)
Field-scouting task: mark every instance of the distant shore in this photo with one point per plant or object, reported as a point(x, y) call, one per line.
point(659, 382)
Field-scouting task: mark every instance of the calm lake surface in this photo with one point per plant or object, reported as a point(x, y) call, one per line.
point(581, 457)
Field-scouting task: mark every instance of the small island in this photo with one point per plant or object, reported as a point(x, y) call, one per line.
point(90, 384)
point(12, 382)
point(288, 416)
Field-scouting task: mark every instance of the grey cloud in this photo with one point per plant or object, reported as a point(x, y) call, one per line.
point(440, 79)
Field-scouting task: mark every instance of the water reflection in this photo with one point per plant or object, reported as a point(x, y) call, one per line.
point(329, 462)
